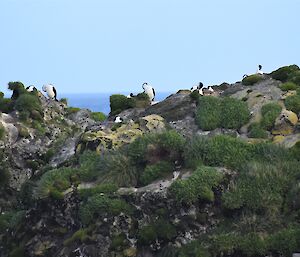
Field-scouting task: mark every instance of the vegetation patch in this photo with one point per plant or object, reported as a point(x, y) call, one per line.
point(227, 113)
point(288, 86)
point(98, 116)
point(197, 187)
point(284, 73)
point(269, 113)
point(256, 131)
point(252, 79)
point(292, 103)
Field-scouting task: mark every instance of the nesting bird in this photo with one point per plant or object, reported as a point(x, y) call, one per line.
point(51, 91)
point(149, 90)
point(259, 70)
point(130, 96)
point(118, 119)
point(31, 88)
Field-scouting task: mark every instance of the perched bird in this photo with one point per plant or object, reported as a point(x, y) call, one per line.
point(149, 91)
point(259, 70)
point(210, 89)
point(200, 91)
point(118, 119)
point(51, 91)
point(245, 76)
point(130, 96)
point(31, 88)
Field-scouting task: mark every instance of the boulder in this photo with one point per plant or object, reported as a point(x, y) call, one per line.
point(109, 137)
point(173, 108)
point(285, 123)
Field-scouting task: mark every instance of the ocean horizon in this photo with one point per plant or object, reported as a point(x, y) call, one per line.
point(99, 102)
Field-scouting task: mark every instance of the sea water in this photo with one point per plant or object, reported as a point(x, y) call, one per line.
point(99, 102)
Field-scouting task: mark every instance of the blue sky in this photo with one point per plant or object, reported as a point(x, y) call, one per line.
point(116, 45)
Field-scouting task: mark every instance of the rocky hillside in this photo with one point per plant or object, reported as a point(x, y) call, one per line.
point(213, 175)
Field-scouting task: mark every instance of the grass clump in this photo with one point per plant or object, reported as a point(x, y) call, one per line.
point(256, 131)
point(284, 73)
point(80, 235)
point(160, 229)
point(208, 116)
point(6, 105)
point(292, 103)
point(227, 113)
point(119, 103)
point(155, 171)
point(71, 110)
point(235, 113)
point(288, 86)
point(100, 204)
point(98, 116)
point(197, 187)
point(252, 79)
point(29, 106)
point(269, 113)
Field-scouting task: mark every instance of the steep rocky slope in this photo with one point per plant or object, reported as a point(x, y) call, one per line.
point(193, 175)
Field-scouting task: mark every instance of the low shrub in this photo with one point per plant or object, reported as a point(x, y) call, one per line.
point(256, 131)
point(98, 116)
point(119, 241)
point(155, 171)
point(100, 204)
point(234, 113)
point(160, 229)
point(285, 242)
point(288, 86)
point(252, 79)
point(208, 116)
point(27, 104)
point(193, 249)
point(227, 113)
point(6, 105)
point(54, 182)
point(198, 186)
point(269, 113)
point(117, 168)
point(217, 151)
point(292, 103)
point(17, 88)
point(80, 235)
point(284, 73)
point(71, 110)
point(119, 103)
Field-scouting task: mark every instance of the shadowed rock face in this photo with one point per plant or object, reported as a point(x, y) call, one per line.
point(175, 107)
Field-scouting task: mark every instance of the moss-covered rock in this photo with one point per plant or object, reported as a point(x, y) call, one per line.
point(285, 123)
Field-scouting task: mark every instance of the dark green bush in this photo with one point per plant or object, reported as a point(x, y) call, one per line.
point(161, 229)
point(224, 244)
point(293, 103)
point(119, 241)
point(119, 103)
point(269, 113)
point(288, 86)
point(28, 103)
point(217, 151)
point(252, 245)
point(215, 113)
point(100, 204)
point(285, 242)
point(17, 88)
point(98, 116)
point(284, 73)
point(256, 131)
point(193, 249)
point(155, 171)
point(234, 113)
point(252, 79)
point(261, 187)
point(117, 168)
point(208, 116)
point(198, 186)
point(6, 105)
point(295, 78)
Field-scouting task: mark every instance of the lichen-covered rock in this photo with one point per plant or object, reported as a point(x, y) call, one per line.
point(285, 123)
point(105, 138)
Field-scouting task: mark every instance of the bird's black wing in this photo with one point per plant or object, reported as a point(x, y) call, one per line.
point(153, 91)
point(55, 93)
